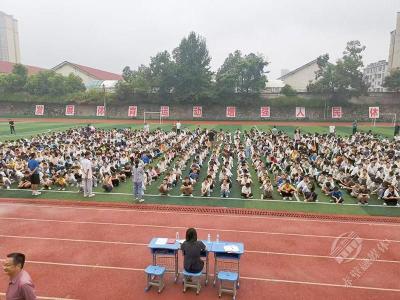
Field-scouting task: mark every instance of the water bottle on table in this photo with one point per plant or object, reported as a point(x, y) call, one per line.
point(217, 240)
point(177, 236)
point(209, 238)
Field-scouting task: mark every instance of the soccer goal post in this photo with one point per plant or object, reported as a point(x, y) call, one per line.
point(151, 116)
point(390, 116)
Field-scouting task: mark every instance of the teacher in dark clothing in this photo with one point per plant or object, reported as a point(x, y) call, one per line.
point(192, 249)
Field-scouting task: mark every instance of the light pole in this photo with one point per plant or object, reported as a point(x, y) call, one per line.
point(104, 99)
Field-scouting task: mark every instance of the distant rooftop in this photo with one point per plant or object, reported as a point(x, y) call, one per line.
point(7, 67)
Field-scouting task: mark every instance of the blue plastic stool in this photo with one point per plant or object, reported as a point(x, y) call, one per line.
point(155, 277)
point(194, 283)
point(229, 277)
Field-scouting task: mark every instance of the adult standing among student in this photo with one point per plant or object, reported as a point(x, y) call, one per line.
point(354, 126)
point(20, 286)
point(137, 180)
point(178, 127)
point(33, 166)
point(87, 176)
point(12, 126)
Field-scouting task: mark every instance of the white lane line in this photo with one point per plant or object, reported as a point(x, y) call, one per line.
point(213, 198)
point(241, 277)
point(42, 297)
point(184, 228)
point(150, 211)
point(145, 245)
point(321, 284)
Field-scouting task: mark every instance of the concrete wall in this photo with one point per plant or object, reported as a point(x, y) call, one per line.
point(184, 112)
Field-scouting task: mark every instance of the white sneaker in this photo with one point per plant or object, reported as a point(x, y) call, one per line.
point(384, 204)
point(91, 195)
point(85, 196)
point(141, 200)
point(398, 204)
point(290, 198)
point(8, 187)
point(191, 195)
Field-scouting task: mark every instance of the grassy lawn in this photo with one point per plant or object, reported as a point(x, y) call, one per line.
point(123, 192)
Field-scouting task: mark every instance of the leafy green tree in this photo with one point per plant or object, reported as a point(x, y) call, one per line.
point(163, 73)
point(73, 84)
point(16, 80)
point(193, 75)
point(53, 84)
point(392, 82)
point(288, 91)
point(242, 74)
point(344, 79)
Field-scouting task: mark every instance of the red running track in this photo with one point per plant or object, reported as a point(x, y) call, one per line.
point(79, 252)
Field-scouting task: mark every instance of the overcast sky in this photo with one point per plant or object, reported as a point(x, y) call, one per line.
point(112, 34)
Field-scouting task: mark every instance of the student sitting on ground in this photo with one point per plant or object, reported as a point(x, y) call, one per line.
point(163, 188)
point(4, 182)
point(266, 189)
point(206, 187)
point(336, 195)
point(225, 189)
point(311, 196)
point(363, 195)
point(46, 182)
point(61, 182)
point(246, 191)
point(287, 190)
point(391, 196)
point(187, 187)
point(25, 182)
point(114, 180)
point(107, 183)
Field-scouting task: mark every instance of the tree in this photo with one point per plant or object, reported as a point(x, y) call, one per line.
point(163, 72)
point(16, 80)
point(54, 84)
point(193, 75)
point(242, 74)
point(73, 84)
point(392, 82)
point(344, 79)
point(288, 91)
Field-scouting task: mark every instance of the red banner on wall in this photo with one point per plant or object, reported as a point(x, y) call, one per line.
point(231, 112)
point(132, 111)
point(265, 112)
point(337, 112)
point(70, 110)
point(300, 112)
point(39, 110)
point(197, 111)
point(164, 111)
point(101, 111)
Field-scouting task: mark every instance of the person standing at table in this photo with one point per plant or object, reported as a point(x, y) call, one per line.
point(20, 286)
point(137, 180)
point(192, 249)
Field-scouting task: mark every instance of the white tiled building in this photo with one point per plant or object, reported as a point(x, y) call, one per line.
point(301, 77)
point(9, 39)
point(374, 74)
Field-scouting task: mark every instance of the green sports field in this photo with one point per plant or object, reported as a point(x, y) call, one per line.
point(123, 192)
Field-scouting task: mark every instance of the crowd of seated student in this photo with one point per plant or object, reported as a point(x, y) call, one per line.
point(60, 154)
point(361, 164)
